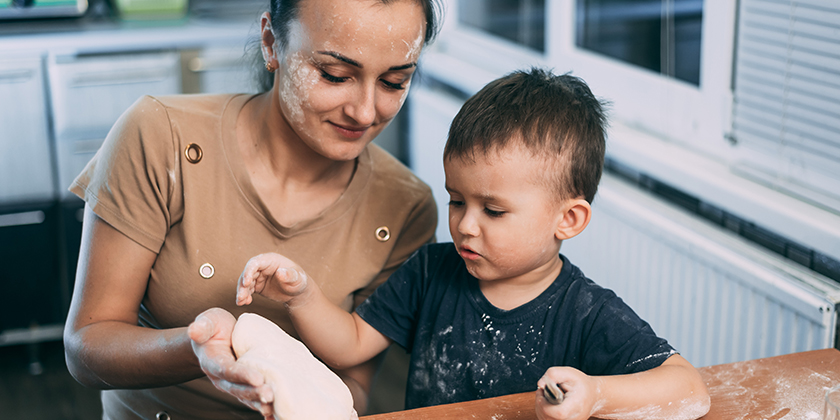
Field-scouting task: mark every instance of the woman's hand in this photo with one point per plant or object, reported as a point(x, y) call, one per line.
point(273, 276)
point(581, 395)
point(210, 334)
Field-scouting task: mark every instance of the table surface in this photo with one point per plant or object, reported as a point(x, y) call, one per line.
point(788, 387)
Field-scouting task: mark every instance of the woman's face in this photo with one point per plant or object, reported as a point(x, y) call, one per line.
point(346, 71)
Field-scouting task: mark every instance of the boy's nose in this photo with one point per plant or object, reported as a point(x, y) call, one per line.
point(468, 226)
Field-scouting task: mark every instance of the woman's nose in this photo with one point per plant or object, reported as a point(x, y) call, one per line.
point(362, 108)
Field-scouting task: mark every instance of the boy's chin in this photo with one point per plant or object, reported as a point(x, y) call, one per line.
point(474, 271)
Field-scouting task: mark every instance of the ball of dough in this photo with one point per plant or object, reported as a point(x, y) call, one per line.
point(304, 388)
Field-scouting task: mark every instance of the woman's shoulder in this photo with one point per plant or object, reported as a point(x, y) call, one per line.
point(198, 105)
point(152, 120)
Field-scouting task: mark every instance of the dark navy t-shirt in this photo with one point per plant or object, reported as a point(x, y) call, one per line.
point(464, 348)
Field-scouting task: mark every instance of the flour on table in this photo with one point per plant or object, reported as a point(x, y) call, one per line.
point(304, 388)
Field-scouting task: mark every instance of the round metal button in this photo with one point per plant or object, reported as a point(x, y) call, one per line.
point(163, 415)
point(383, 233)
point(193, 153)
point(206, 270)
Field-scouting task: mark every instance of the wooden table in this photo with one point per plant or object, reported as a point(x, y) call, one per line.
point(789, 387)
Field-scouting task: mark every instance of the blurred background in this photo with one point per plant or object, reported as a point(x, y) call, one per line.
point(717, 220)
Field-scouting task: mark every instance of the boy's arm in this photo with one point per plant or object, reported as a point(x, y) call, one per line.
point(673, 390)
point(338, 338)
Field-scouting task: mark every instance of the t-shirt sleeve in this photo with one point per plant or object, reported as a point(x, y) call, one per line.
point(129, 182)
point(620, 342)
point(392, 309)
point(419, 229)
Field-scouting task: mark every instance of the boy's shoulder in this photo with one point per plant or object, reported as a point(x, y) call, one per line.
point(589, 292)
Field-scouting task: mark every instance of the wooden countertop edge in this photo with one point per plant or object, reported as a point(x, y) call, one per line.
point(521, 406)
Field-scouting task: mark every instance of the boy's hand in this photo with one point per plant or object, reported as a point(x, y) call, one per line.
point(579, 401)
point(273, 276)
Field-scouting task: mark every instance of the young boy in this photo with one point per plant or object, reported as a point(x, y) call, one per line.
point(500, 311)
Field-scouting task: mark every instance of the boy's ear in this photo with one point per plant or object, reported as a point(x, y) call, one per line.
point(575, 217)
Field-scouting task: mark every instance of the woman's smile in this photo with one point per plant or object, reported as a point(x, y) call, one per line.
point(350, 132)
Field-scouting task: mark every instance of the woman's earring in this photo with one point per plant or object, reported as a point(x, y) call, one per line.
point(269, 67)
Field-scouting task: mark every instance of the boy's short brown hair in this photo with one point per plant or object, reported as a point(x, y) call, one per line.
point(554, 116)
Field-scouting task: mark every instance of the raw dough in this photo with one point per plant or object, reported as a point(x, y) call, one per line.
point(304, 388)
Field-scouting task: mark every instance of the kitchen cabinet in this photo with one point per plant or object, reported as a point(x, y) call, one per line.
point(25, 152)
point(88, 94)
point(61, 93)
point(34, 294)
point(217, 69)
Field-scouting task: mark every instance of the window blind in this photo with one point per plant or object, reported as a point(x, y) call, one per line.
point(786, 119)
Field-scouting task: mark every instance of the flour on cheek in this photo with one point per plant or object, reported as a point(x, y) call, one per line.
point(297, 86)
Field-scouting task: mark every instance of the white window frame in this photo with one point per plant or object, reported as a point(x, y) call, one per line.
point(698, 117)
point(677, 132)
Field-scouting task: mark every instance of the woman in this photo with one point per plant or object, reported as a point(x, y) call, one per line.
point(187, 188)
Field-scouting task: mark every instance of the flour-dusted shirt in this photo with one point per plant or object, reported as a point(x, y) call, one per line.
point(464, 348)
point(207, 213)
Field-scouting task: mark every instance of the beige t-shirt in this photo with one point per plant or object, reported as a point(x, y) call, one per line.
point(208, 212)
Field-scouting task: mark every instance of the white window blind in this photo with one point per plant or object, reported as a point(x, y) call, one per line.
point(787, 96)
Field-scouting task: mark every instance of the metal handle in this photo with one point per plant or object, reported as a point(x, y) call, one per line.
point(111, 78)
point(16, 76)
point(21, 219)
point(553, 393)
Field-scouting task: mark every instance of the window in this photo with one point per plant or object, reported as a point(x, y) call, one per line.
point(732, 102)
point(659, 35)
point(665, 65)
point(520, 21)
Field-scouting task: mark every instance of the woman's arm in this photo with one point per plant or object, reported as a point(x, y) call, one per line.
point(673, 390)
point(104, 346)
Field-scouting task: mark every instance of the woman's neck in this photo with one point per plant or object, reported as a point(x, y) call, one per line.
point(283, 169)
point(269, 142)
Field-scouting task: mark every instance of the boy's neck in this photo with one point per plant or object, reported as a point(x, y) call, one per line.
point(512, 293)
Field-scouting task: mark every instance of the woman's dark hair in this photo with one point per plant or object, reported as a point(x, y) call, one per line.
point(283, 12)
point(554, 116)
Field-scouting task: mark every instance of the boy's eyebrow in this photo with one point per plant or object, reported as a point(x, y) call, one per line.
point(483, 196)
point(354, 63)
point(487, 197)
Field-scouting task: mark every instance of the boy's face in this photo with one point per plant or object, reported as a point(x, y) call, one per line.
point(503, 215)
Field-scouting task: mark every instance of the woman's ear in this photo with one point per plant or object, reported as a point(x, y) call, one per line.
point(267, 42)
point(574, 219)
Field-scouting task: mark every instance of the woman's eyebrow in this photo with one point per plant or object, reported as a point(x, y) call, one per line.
point(355, 63)
point(402, 67)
